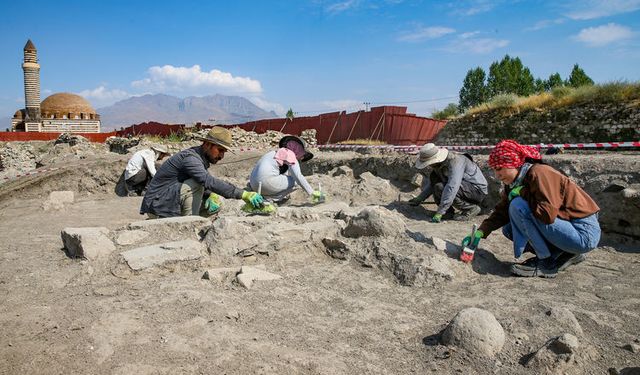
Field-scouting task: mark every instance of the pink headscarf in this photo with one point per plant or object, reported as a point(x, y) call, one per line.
point(284, 155)
point(511, 154)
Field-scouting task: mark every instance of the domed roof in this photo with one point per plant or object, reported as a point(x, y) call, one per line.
point(66, 102)
point(19, 114)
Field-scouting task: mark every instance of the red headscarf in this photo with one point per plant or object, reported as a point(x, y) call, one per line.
point(511, 154)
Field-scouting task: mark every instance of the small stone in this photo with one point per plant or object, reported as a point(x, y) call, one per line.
point(475, 330)
point(439, 243)
point(632, 347)
point(90, 243)
point(248, 275)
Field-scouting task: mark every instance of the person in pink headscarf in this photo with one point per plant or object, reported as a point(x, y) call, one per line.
point(542, 211)
point(279, 171)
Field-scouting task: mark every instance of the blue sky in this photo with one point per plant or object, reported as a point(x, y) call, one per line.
point(313, 56)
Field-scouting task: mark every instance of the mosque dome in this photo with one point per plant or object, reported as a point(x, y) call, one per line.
point(63, 103)
point(19, 114)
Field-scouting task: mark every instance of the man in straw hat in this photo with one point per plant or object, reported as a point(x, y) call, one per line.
point(178, 187)
point(140, 170)
point(455, 181)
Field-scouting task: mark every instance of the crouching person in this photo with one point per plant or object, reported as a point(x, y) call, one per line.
point(455, 181)
point(278, 172)
point(542, 211)
point(178, 187)
point(140, 170)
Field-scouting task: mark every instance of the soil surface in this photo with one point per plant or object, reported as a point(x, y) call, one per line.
point(328, 314)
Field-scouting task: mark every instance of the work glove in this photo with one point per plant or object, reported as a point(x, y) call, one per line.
point(436, 218)
point(473, 241)
point(213, 203)
point(252, 198)
point(515, 192)
point(317, 197)
point(415, 201)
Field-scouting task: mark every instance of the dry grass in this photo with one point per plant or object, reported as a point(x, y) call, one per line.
point(365, 142)
point(611, 92)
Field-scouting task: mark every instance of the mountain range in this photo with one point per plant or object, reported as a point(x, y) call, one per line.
point(169, 109)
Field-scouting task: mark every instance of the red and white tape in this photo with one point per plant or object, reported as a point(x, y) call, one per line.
point(413, 148)
point(30, 173)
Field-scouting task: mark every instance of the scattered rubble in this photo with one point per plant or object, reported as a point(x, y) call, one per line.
point(557, 355)
point(71, 139)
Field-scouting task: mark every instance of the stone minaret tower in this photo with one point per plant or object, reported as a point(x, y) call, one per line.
point(31, 70)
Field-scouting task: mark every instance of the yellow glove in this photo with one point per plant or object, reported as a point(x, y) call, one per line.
point(252, 198)
point(317, 197)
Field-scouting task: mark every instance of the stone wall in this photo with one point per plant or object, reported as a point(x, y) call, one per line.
point(579, 123)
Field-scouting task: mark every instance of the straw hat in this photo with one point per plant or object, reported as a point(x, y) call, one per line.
point(160, 149)
point(431, 154)
point(219, 136)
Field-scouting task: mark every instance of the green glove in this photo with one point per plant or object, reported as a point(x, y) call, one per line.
point(515, 192)
point(252, 198)
point(436, 218)
point(317, 197)
point(212, 204)
point(475, 241)
point(415, 201)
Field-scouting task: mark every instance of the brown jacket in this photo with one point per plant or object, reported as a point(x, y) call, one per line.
point(550, 194)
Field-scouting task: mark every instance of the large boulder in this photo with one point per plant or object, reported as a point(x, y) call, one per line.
point(374, 221)
point(475, 330)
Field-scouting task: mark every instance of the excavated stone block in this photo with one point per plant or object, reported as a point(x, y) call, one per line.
point(57, 200)
point(475, 330)
point(90, 243)
point(248, 275)
point(149, 256)
point(130, 237)
point(180, 222)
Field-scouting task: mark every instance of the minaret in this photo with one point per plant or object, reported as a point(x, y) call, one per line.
point(31, 70)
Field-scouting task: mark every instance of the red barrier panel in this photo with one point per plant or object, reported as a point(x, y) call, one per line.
point(34, 136)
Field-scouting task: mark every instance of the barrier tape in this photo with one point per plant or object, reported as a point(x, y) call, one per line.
point(413, 148)
point(30, 173)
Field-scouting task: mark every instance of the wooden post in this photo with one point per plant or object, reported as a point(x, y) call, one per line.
point(376, 128)
point(354, 125)
point(334, 128)
point(283, 125)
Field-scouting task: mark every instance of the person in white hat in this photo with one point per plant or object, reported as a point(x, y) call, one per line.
point(454, 181)
point(140, 169)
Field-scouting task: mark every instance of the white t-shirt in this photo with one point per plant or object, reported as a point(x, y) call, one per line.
point(137, 162)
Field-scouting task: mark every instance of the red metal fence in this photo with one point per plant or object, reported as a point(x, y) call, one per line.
point(392, 125)
point(34, 136)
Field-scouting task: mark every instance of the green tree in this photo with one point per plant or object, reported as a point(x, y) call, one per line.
point(473, 91)
point(510, 76)
point(539, 85)
point(451, 110)
point(578, 77)
point(554, 81)
point(290, 115)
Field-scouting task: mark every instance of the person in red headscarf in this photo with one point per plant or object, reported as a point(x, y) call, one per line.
point(542, 211)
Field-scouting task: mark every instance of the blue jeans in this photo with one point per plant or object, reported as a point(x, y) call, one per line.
point(575, 236)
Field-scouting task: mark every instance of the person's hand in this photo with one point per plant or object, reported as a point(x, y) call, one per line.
point(473, 241)
point(212, 204)
point(252, 198)
point(415, 201)
point(515, 192)
point(436, 218)
point(317, 197)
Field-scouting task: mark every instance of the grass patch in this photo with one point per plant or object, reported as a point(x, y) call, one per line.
point(611, 92)
point(364, 142)
point(171, 138)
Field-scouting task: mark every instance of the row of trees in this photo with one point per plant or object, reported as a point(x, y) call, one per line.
point(510, 76)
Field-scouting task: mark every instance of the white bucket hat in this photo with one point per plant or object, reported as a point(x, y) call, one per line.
point(431, 154)
point(161, 149)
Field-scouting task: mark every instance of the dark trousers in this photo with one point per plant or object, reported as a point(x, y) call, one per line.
point(468, 195)
point(139, 181)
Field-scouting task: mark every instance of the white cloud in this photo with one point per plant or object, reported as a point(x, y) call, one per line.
point(473, 7)
point(168, 77)
point(544, 24)
point(424, 33)
point(468, 35)
point(591, 9)
point(342, 6)
point(603, 35)
point(477, 45)
point(268, 106)
point(104, 94)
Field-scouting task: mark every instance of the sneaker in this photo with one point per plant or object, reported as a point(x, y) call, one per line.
point(468, 214)
point(536, 267)
point(567, 259)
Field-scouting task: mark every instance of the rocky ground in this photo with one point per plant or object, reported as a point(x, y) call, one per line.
point(362, 283)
